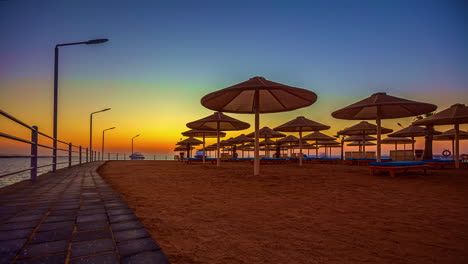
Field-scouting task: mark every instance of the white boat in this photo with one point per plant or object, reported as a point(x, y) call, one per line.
point(137, 156)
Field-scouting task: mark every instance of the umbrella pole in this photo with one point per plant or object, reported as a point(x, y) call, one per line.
point(316, 149)
point(378, 139)
point(242, 149)
point(453, 148)
point(257, 134)
point(364, 146)
point(412, 146)
point(457, 145)
point(203, 148)
point(300, 146)
point(218, 160)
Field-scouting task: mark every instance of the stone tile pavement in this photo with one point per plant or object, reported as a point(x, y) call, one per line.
point(73, 217)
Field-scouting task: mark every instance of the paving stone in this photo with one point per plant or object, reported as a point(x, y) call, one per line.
point(119, 212)
point(126, 225)
point(92, 211)
point(135, 246)
point(10, 248)
point(55, 226)
point(63, 212)
point(88, 207)
point(121, 218)
point(54, 259)
point(109, 258)
point(33, 250)
point(25, 218)
point(92, 225)
point(91, 218)
point(53, 235)
point(91, 235)
point(15, 234)
point(59, 218)
point(20, 225)
point(131, 234)
point(91, 247)
point(149, 257)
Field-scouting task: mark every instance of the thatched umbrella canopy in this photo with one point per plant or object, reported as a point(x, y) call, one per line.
point(219, 122)
point(258, 95)
point(412, 131)
point(242, 139)
point(189, 142)
point(450, 135)
point(300, 124)
point(266, 132)
point(396, 141)
point(382, 106)
point(317, 136)
point(357, 138)
point(456, 114)
point(203, 134)
point(360, 143)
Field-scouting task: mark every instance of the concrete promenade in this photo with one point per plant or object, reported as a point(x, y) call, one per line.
point(72, 216)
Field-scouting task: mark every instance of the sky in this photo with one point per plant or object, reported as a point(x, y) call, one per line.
point(164, 56)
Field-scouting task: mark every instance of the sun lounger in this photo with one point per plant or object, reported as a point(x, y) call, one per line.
point(199, 160)
point(398, 166)
point(439, 163)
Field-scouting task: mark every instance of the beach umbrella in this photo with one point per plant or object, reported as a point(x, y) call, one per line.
point(396, 141)
point(456, 114)
point(412, 131)
point(288, 139)
point(360, 143)
point(189, 142)
point(329, 144)
point(203, 134)
point(266, 132)
point(359, 139)
point(317, 136)
point(242, 139)
point(219, 122)
point(450, 135)
point(382, 106)
point(363, 129)
point(258, 95)
point(300, 124)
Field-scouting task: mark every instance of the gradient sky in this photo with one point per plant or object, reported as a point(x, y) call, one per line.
point(163, 56)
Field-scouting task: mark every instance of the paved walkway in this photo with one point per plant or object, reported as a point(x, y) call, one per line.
point(73, 217)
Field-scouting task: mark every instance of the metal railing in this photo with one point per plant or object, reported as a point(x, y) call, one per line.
point(34, 142)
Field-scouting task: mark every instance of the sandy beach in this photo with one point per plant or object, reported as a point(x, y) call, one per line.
point(313, 214)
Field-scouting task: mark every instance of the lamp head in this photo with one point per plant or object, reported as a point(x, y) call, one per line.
point(96, 41)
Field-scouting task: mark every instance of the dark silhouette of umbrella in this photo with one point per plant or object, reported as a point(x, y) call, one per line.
point(364, 128)
point(382, 106)
point(412, 131)
point(396, 141)
point(266, 132)
point(219, 122)
point(203, 134)
point(450, 135)
point(242, 139)
point(455, 115)
point(258, 95)
point(300, 124)
point(189, 142)
point(317, 136)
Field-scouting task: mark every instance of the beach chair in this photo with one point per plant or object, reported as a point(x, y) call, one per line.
point(439, 163)
point(398, 166)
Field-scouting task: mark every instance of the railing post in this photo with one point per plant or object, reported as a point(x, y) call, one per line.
point(69, 154)
point(80, 155)
point(87, 155)
point(34, 153)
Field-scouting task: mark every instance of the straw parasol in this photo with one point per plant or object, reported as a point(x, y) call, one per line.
point(182, 148)
point(360, 143)
point(364, 128)
point(328, 143)
point(288, 139)
point(258, 95)
point(266, 132)
point(220, 122)
point(300, 124)
point(357, 138)
point(396, 141)
point(242, 139)
point(382, 106)
point(317, 136)
point(189, 142)
point(456, 114)
point(450, 135)
point(412, 131)
point(203, 134)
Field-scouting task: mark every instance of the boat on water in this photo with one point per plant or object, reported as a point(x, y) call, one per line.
point(137, 156)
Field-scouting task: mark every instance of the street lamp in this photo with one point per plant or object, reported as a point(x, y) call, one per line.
point(93, 41)
point(132, 141)
point(91, 130)
point(103, 139)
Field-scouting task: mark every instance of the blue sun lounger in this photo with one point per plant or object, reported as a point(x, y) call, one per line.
point(398, 166)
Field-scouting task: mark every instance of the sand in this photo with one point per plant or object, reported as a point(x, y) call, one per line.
point(291, 214)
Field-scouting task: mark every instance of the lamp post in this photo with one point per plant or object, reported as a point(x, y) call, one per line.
point(103, 139)
point(93, 41)
point(132, 141)
point(91, 130)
